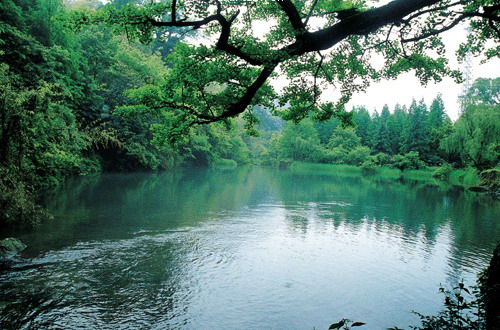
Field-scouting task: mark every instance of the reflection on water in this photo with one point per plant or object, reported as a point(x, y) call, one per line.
point(249, 248)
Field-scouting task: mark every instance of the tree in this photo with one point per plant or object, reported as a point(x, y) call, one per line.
point(311, 52)
point(485, 91)
point(417, 132)
point(299, 142)
point(396, 124)
point(381, 141)
point(362, 119)
point(439, 126)
point(437, 114)
point(476, 136)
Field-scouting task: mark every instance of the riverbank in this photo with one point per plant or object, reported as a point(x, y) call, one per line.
point(460, 177)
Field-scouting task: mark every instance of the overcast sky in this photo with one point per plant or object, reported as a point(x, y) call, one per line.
point(407, 86)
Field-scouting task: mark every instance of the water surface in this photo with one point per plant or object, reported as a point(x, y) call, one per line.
point(249, 248)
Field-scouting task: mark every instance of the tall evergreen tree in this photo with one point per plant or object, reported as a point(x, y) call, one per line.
point(381, 141)
point(395, 126)
point(417, 134)
point(437, 114)
point(362, 119)
point(438, 123)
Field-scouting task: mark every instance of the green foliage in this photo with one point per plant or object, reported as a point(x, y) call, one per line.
point(485, 91)
point(381, 159)
point(228, 75)
point(345, 324)
point(299, 142)
point(490, 179)
point(443, 172)
point(344, 138)
point(464, 309)
point(467, 177)
point(408, 161)
point(476, 136)
point(417, 132)
point(18, 202)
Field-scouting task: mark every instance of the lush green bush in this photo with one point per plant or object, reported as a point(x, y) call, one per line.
point(357, 156)
point(222, 162)
point(18, 203)
point(369, 167)
point(409, 161)
point(381, 159)
point(443, 172)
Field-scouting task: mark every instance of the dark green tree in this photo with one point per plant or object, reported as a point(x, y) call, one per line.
point(381, 140)
point(396, 125)
point(417, 131)
point(362, 119)
point(439, 128)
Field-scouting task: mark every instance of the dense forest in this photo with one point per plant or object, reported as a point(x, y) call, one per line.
point(79, 102)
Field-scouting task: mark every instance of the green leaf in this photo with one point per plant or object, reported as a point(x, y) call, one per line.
point(337, 325)
point(358, 324)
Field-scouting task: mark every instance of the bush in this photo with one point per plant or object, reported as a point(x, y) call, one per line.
point(382, 159)
point(443, 172)
point(491, 179)
point(369, 167)
point(358, 156)
point(464, 309)
point(335, 156)
point(18, 206)
point(409, 161)
point(221, 162)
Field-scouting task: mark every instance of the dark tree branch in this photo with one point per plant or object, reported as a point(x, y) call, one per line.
point(293, 15)
point(491, 18)
point(320, 66)
point(434, 32)
point(241, 105)
point(310, 12)
point(430, 10)
point(174, 11)
point(360, 24)
point(184, 23)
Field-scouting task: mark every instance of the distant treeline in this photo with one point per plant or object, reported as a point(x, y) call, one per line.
point(406, 138)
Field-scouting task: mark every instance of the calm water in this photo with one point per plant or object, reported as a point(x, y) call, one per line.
point(249, 248)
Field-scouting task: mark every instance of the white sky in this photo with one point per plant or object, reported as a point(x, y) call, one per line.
point(407, 86)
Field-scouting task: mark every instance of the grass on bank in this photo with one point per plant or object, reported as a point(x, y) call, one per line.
point(463, 177)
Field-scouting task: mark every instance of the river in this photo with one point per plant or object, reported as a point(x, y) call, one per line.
point(249, 248)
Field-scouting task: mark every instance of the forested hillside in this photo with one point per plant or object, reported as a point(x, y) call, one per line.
point(59, 92)
point(75, 102)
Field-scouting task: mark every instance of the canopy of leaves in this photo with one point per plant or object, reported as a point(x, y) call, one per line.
point(312, 43)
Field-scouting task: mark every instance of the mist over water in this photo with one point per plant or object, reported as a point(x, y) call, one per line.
point(249, 248)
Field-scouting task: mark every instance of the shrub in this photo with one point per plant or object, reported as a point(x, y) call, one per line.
point(443, 172)
point(368, 167)
point(357, 156)
point(222, 162)
point(335, 156)
point(382, 159)
point(409, 161)
point(463, 310)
